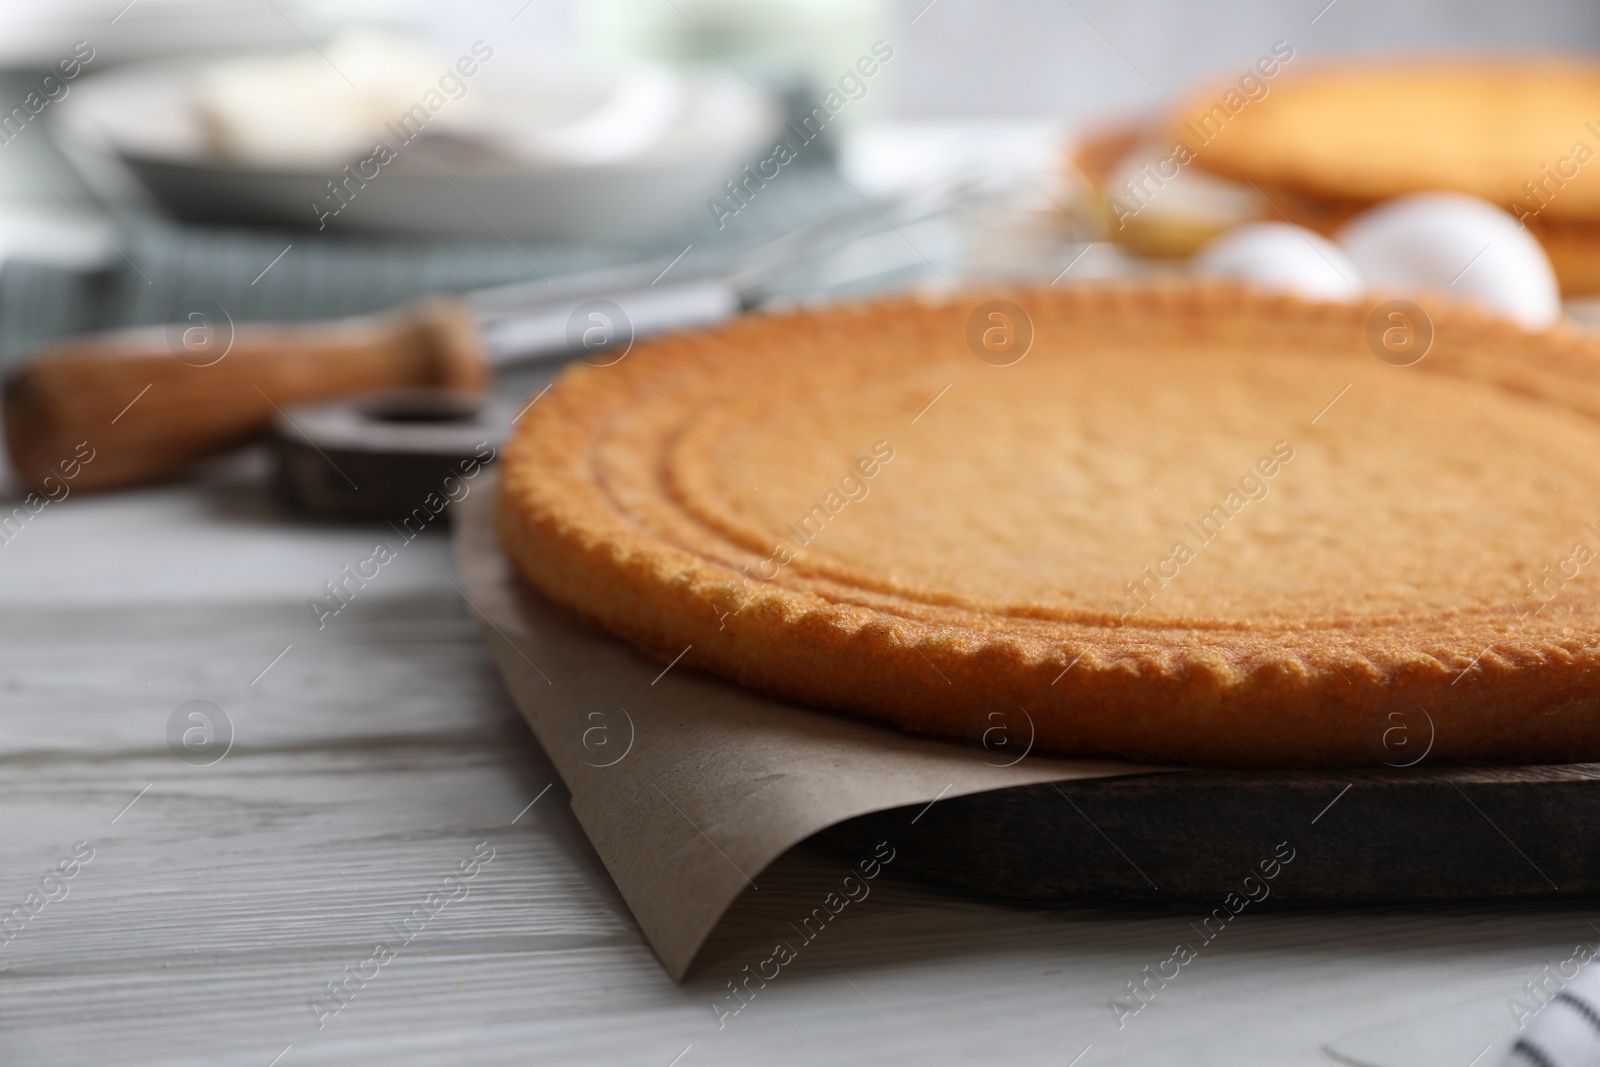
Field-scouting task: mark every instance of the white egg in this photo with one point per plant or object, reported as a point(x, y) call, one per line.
point(1459, 247)
point(1275, 255)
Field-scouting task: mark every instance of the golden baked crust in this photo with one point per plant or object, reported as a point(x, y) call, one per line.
point(1353, 570)
point(1370, 131)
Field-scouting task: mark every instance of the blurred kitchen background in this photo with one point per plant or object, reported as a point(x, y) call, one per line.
point(172, 167)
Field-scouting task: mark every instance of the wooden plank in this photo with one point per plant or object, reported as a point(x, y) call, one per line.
point(384, 748)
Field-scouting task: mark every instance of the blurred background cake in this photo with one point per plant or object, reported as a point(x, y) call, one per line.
point(1317, 142)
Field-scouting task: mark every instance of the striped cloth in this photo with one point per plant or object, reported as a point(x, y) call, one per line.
point(1566, 1031)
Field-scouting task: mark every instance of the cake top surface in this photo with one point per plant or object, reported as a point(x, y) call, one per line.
point(1507, 130)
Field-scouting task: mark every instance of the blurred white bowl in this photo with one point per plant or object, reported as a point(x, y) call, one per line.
point(138, 126)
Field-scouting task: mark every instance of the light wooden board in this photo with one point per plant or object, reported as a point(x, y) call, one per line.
point(377, 753)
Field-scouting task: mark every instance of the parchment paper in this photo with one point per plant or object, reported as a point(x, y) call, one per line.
point(687, 785)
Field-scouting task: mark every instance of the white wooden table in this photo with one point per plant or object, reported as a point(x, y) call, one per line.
point(371, 758)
